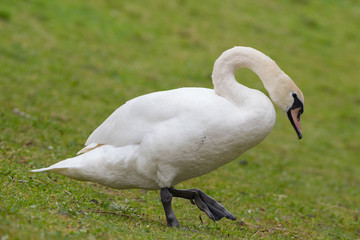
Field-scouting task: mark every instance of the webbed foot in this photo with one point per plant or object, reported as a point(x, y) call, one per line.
point(204, 202)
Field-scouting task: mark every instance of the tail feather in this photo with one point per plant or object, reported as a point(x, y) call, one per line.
point(62, 166)
point(107, 165)
point(48, 169)
point(80, 167)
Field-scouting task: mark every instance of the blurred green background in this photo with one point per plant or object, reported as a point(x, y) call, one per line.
point(66, 65)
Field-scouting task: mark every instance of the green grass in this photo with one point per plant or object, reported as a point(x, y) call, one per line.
point(66, 65)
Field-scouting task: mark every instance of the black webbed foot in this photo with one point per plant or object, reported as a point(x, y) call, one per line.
point(205, 203)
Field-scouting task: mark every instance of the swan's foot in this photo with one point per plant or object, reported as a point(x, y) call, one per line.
point(205, 203)
point(166, 198)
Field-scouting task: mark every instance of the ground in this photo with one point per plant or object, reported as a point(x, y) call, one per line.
point(66, 65)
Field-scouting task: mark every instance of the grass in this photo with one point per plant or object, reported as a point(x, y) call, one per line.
point(66, 65)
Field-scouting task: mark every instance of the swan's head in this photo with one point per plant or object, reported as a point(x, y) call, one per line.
point(289, 98)
point(283, 91)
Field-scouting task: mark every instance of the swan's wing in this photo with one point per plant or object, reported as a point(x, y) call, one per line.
point(139, 116)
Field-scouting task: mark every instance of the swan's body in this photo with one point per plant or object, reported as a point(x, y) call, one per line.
point(158, 140)
point(163, 138)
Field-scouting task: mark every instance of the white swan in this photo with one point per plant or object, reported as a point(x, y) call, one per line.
point(158, 140)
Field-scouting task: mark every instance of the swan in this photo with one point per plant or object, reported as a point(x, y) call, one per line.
point(158, 140)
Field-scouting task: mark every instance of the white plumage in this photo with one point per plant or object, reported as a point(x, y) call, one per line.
point(161, 139)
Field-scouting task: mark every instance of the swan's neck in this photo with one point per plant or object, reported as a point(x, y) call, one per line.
point(225, 66)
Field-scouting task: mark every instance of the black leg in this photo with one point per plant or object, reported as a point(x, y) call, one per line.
point(205, 203)
point(166, 198)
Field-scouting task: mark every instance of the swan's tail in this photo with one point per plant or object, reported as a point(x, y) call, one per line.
point(75, 162)
point(68, 167)
point(96, 165)
point(48, 169)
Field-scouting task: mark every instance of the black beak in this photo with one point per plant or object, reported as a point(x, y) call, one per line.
point(294, 114)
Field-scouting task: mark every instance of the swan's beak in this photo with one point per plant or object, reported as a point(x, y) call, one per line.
point(294, 117)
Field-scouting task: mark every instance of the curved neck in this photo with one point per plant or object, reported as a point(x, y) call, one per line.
point(225, 66)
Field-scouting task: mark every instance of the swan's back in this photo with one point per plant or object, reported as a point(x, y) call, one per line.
point(140, 116)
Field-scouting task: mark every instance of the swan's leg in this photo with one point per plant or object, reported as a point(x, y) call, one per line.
point(166, 198)
point(205, 203)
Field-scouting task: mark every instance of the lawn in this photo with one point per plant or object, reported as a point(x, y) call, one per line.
point(66, 65)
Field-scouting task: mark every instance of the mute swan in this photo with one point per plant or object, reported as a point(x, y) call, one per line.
point(158, 140)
